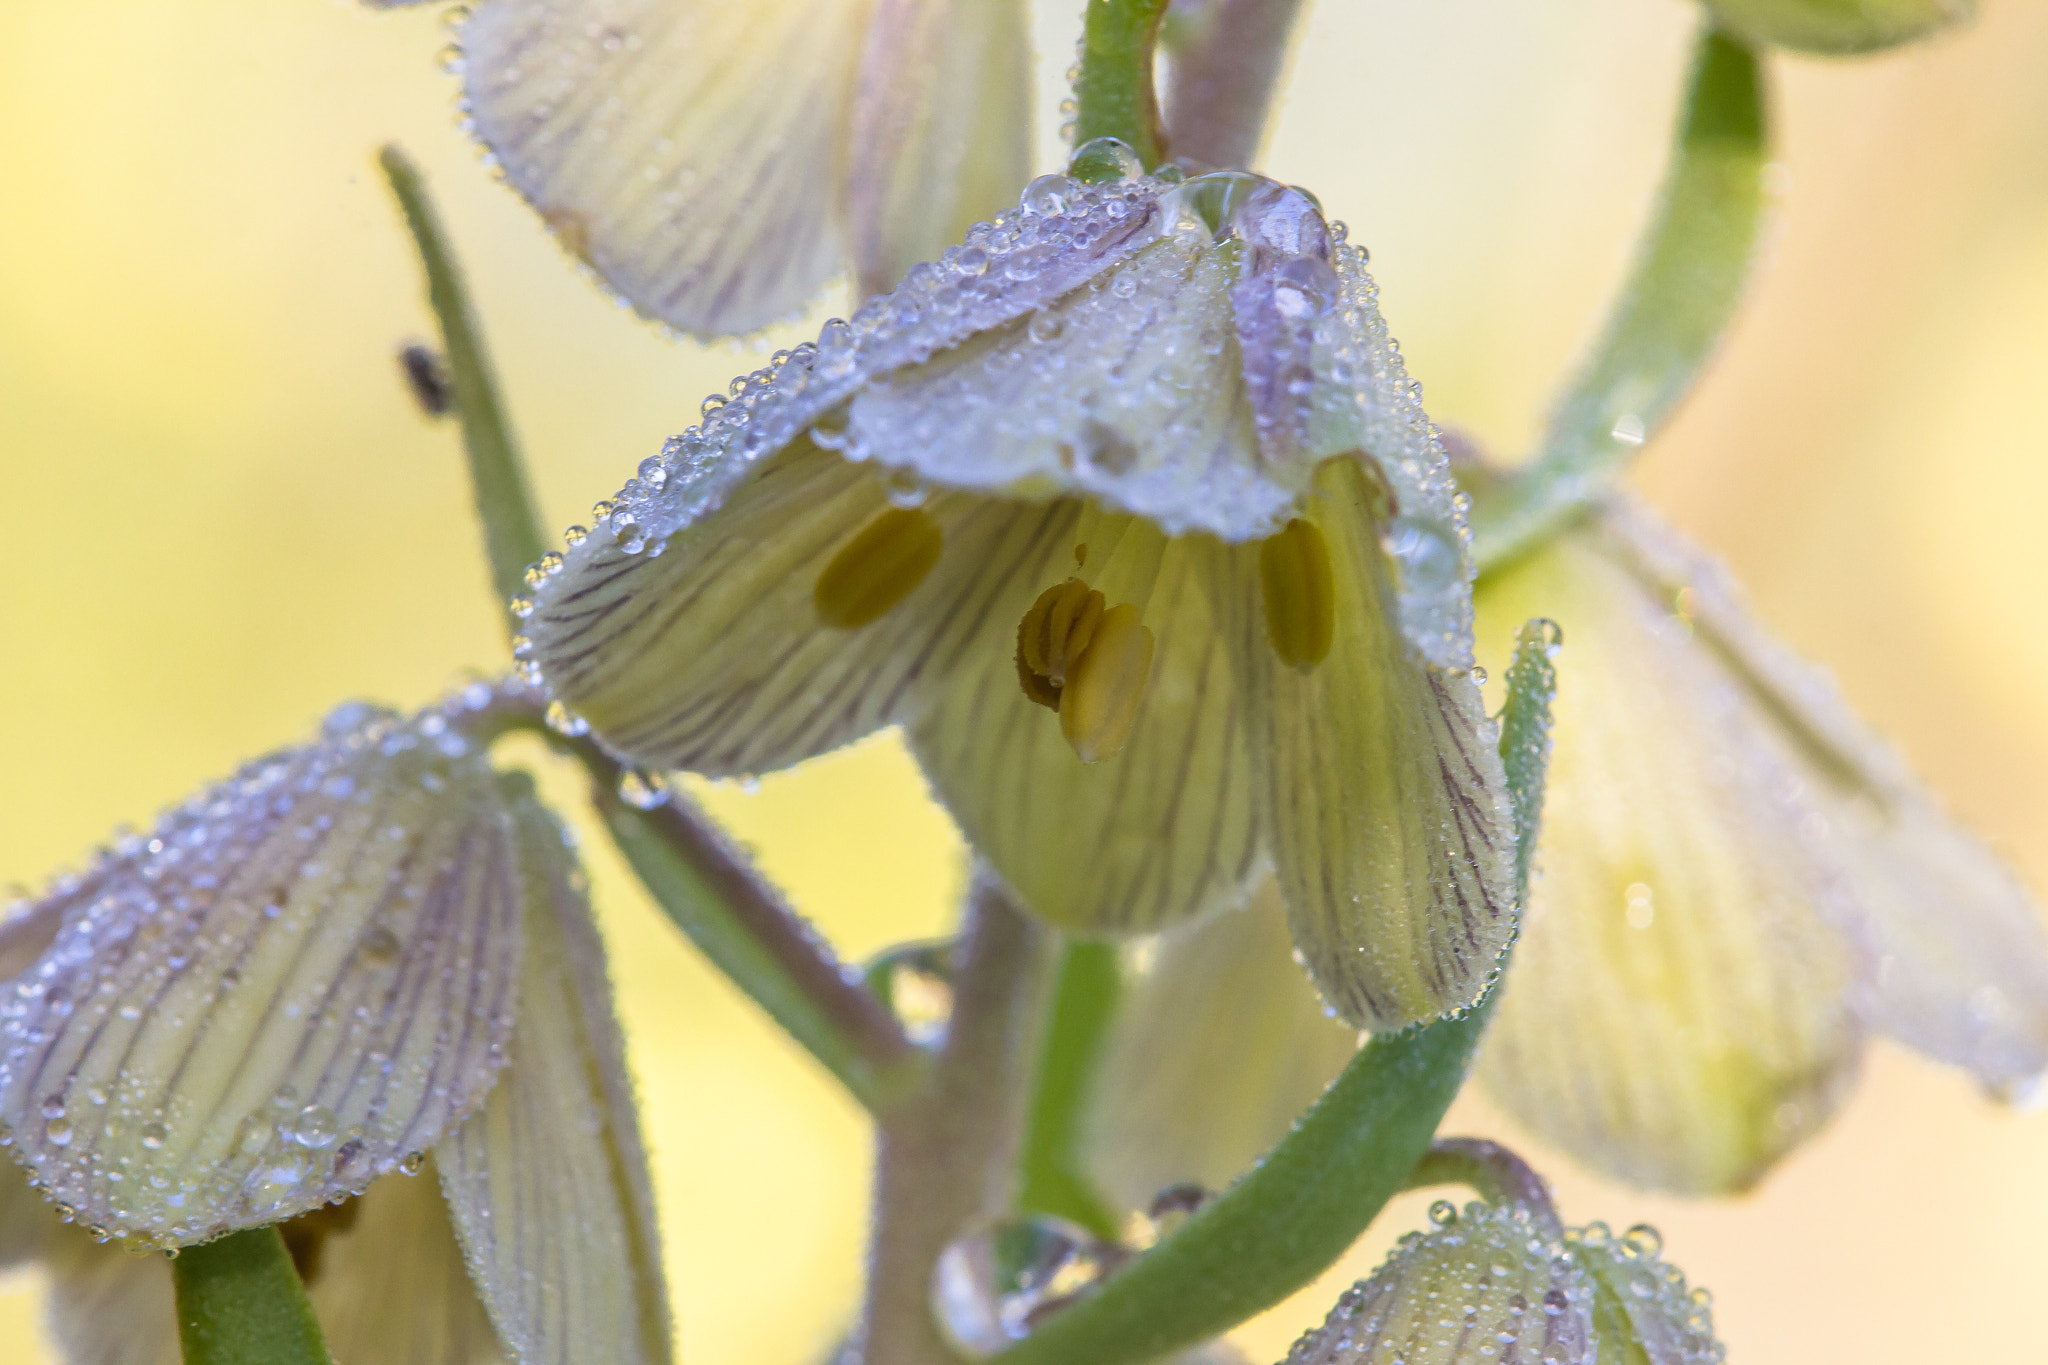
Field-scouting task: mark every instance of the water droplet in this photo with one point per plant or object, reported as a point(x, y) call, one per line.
point(563, 721)
point(1426, 557)
point(315, 1127)
point(643, 790)
point(412, 1163)
point(1644, 1240)
point(915, 981)
point(154, 1136)
point(1443, 1213)
point(1629, 429)
point(1104, 161)
point(57, 1132)
point(1047, 196)
point(992, 1286)
point(380, 946)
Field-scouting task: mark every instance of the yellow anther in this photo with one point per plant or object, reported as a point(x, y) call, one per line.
point(877, 568)
point(1100, 702)
point(1052, 637)
point(1300, 592)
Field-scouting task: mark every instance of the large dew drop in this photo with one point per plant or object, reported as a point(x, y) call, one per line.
point(992, 1286)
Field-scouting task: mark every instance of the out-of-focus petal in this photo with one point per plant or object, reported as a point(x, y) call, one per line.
point(1387, 802)
point(1962, 960)
point(548, 1183)
point(26, 1219)
point(392, 1288)
point(30, 925)
point(1488, 1289)
point(1216, 1049)
point(1681, 1007)
point(687, 149)
point(1162, 830)
point(940, 131)
point(1834, 26)
point(1643, 1310)
point(298, 978)
point(109, 1305)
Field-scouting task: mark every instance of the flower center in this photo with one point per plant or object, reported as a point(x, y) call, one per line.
point(1089, 662)
point(877, 568)
point(1300, 593)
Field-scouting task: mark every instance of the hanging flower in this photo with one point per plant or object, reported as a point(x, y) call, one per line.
point(716, 163)
point(1127, 511)
point(351, 963)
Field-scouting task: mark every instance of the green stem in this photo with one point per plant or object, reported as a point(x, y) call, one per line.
point(241, 1303)
point(1114, 94)
point(1687, 281)
point(504, 498)
point(1083, 1002)
point(1295, 1212)
point(1492, 1172)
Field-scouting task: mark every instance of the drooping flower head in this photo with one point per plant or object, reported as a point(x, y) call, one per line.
point(1126, 509)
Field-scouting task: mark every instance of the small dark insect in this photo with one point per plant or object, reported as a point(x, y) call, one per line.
point(427, 377)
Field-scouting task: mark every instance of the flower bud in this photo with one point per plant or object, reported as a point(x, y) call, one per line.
point(1838, 26)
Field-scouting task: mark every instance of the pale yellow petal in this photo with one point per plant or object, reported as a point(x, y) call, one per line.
point(298, 978)
point(687, 149)
point(109, 1305)
point(548, 1183)
point(392, 1289)
point(1162, 830)
point(940, 135)
point(1387, 804)
point(1680, 1011)
point(1962, 959)
point(26, 1219)
point(1218, 1045)
point(713, 656)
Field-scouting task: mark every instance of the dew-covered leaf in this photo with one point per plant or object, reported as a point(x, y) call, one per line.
point(298, 978)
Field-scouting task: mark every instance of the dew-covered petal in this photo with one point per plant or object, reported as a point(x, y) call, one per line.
point(1961, 957)
point(687, 149)
point(30, 925)
point(110, 1306)
point(1386, 801)
point(1164, 829)
point(1643, 1310)
point(1834, 26)
point(548, 1183)
point(296, 979)
point(1487, 1289)
point(939, 136)
point(1218, 1045)
point(392, 1289)
point(713, 656)
point(1681, 1009)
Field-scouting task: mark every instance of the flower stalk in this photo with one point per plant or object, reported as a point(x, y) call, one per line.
point(1226, 67)
point(1084, 1001)
point(241, 1303)
point(1114, 95)
point(1492, 1172)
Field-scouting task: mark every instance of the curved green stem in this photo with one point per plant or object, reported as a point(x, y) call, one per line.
point(241, 1303)
point(1114, 95)
point(1687, 281)
point(1492, 1172)
point(1294, 1213)
point(504, 499)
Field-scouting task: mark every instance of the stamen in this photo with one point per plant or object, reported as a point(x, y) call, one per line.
point(1087, 663)
point(878, 568)
point(1300, 593)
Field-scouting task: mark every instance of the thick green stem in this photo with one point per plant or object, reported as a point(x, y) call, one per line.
point(241, 1303)
point(1687, 281)
point(1083, 1002)
point(504, 498)
point(1294, 1213)
point(1114, 95)
point(943, 1156)
point(1225, 67)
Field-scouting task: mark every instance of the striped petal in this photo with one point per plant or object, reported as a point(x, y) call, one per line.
point(1161, 831)
point(109, 1306)
point(686, 149)
point(1216, 1049)
point(940, 131)
point(548, 1183)
point(1962, 960)
point(1487, 1289)
point(392, 1289)
point(1387, 801)
point(1681, 1010)
point(298, 978)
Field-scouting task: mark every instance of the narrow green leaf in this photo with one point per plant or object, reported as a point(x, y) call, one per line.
point(504, 497)
point(1114, 95)
point(1285, 1221)
point(241, 1303)
point(1686, 283)
point(1052, 1179)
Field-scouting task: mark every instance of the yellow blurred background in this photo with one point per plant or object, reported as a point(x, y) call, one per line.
point(222, 515)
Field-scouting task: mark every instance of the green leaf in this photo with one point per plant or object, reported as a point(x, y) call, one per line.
point(1687, 280)
point(1285, 1221)
point(504, 497)
point(1114, 94)
point(241, 1303)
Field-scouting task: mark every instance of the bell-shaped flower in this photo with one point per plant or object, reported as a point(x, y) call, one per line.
point(349, 963)
point(1498, 1286)
point(1738, 883)
point(1836, 26)
point(716, 163)
point(1127, 511)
